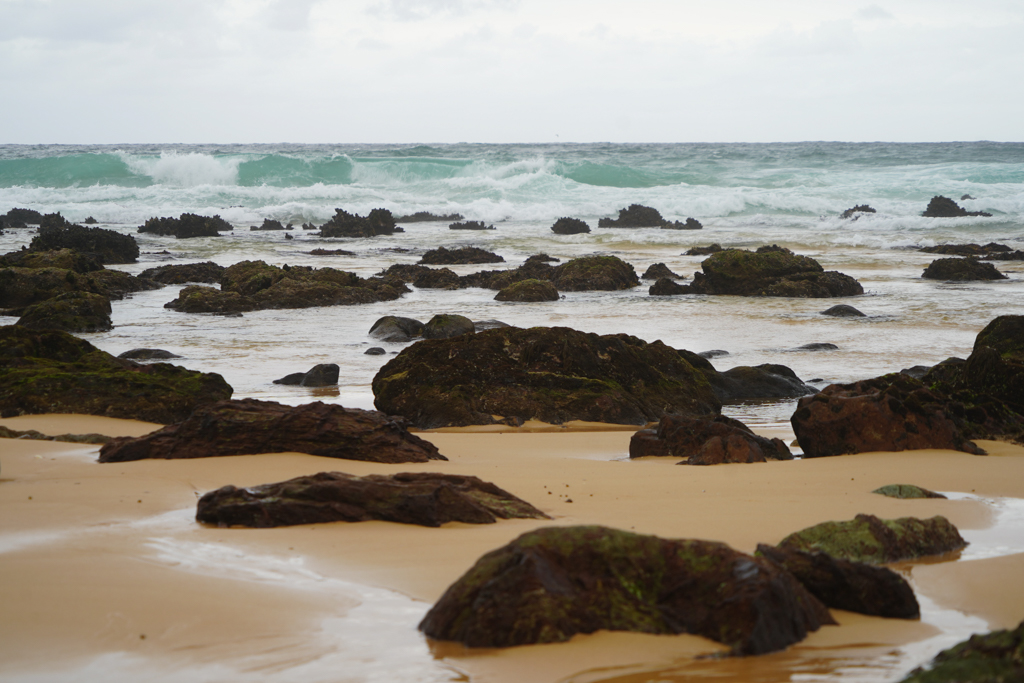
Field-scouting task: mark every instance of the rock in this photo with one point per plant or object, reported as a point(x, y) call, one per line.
point(768, 380)
point(345, 224)
point(590, 273)
point(704, 251)
point(818, 346)
point(542, 258)
point(186, 226)
point(689, 224)
point(667, 287)
point(1005, 256)
point(395, 329)
point(771, 271)
point(374, 351)
point(424, 277)
point(20, 218)
point(426, 216)
point(470, 225)
point(890, 413)
point(106, 246)
point(32, 434)
point(422, 498)
point(54, 372)
point(292, 380)
point(528, 290)
point(549, 374)
point(869, 539)
point(706, 441)
point(961, 270)
point(917, 371)
point(445, 257)
point(148, 354)
point(634, 216)
point(906, 491)
point(656, 271)
point(90, 221)
point(199, 299)
point(996, 657)
point(64, 259)
point(852, 213)
point(713, 353)
point(852, 586)
point(270, 224)
point(971, 249)
point(179, 274)
point(944, 207)
point(321, 375)
point(552, 583)
point(71, 312)
point(446, 326)
point(330, 252)
point(20, 287)
point(570, 226)
point(482, 325)
point(843, 311)
point(248, 426)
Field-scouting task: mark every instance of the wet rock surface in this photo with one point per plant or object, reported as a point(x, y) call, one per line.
point(859, 209)
point(179, 274)
point(970, 249)
point(570, 226)
point(249, 426)
point(704, 251)
point(906, 491)
point(867, 538)
point(843, 311)
point(706, 441)
point(444, 257)
point(187, 225)
point(656, 271)
point(770, 271)
point(446, 326)
point(667, 287)
point(470, 225)
point(528, 290)
point(422, 498)
point(428, 217)
point(106, 246)
point(961, 270)
point(65, 259)
point(321, 375)
point(944, 207)
point(20, 287)
point(552, 583)
point(70, 312)
point(996, 657)
point(768, 380)
point(393, 328)
point(345, 224)
point(148, 354)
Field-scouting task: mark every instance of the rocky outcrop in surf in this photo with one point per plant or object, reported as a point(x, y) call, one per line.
point(944, 207)
point(528, 290)
point(570, 226)
point(444, 257)
point(106, 246)
point(186, 226)
point(961, 270)
point(70, 312)
point(345, 224)
point(179, 274)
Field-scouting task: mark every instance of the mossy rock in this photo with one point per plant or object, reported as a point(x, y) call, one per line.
point(54, 372)
point(770, 271)
point(179, 274)
point(528, 290)
point(200, 299)
point(869, 539)
point(906, 491)
point(996, 657)
point(594, 273)
point(71, 312)
point(106, 246)
point(65, 259)
point(446, 326)
point(444, 257)
point(20, 287)
point(187, 225)
point(1005, 334)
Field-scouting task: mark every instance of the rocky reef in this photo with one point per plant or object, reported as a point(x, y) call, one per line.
point(186, 226)
point(106, 246)
point(345, 224)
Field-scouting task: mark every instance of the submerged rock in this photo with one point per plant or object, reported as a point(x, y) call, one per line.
point(20, 218)
point(322, 375)
point(852, 213)
point(427, 217)
point(667, 287)
point(704, 251)
point(656, 271)
point(570, 226)
point(961, 270)
point(528, 290)
point(148, 354)
point(768, 380)
point(186, 226)
point(422, 498)
point(64, 259)
point(71, 312)
point(552, 583)
point(906, 491)
point(248, 426)
point(770, 271)
point(843, 311)
point(20, 287)
point(944, 207)
point(271, 224)
point(706, 441)
point(867, 538)
point(470, 225)
point(106, 246)
point(996, 657)
point(392, 328)
point(970, 249)
point(444, 257)
point(634, 216)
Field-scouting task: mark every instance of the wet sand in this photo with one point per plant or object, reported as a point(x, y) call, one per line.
point(104, 570)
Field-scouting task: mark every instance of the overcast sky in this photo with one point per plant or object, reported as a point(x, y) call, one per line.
point(121, 71)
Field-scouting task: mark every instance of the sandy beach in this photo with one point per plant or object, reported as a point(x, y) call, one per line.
point(105, 571)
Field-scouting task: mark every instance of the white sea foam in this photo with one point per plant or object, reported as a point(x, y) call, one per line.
point(191, 169)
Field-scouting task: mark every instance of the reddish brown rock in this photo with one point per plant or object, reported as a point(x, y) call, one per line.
point(706, 441)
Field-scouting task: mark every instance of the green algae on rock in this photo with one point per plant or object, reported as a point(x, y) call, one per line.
point(528, 290)
point(552, 583)
point(996, 657)
point(770, 271)
point(106, 246)
point(906, 491)
point(867, 538)
point(71, 312)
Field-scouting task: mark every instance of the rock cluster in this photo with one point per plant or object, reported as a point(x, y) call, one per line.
point(179, 274)
point(187, 225)
point(852, 213)
point(528, 290)
point(971, 249)
point(345, 224)
point(640, 216)
point(427, 217)
point(470, 225)
point(770, 271)
point(20, 218)
point(996, 657)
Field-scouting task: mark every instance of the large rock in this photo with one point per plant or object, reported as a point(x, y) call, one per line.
point(970, 249)
point(550, 374)
point(71, 312)
point(891, 413)
point(20, 287)
point(550, 584)
point(321, 375)
point(187, 225)
point(667, 287)
point(446, 257)
point(393, 328)
point(20, 218)
point(428, 217)
point(249, 426)
point(768, 380)
point(55, 372)
point(634, 216)
point(851, 586)
point(706, 441)
point(843, 311)
point(65, 259)
point(961, 270)
point(345, 224)
point(590, 273)
point(448, 325)
point(528, 290)
point(944, 207)
point(770, 271)
point(570, 226)
point(867, 538)
point(179, 274)
point(422, 498)
point(996, 657)
point(656, 271)
point(148, 354)
point(424, 277)
point(106, 246)
point(470, 225)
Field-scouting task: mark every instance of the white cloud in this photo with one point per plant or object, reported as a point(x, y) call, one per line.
point(873, 13)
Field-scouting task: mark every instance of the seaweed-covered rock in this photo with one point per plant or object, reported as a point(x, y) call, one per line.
point(770, 271)
point(890, 413)
point(345, 224)
point(186, 226)
point(590, 273)
point(843, 311)
point(528, 290)
point(704, 251)
point(470, 225)
point(64, 259)
point(906, 491)
point(570, 226)
point(249, 426)
point(106, 246)
point(768, 380)
point(447, 325)
point(706, 441)
point(393, 328)
point(21, 287)
point(444, 257)
point(71, 312)
point(867, 538)
point(33, 435)
point(201, 299)
point(550, 374)
point(634, 216)
point(424, 277)
point(851, 586)
point(970, 249)
point(148, 354)
point(428, 217)
point(552, 583)
point(996, 657)
point(667, 287)
point(423, 498)
point(656, 271)
point(961, 270)
point(944, 207)
point(853, 213)
point(54, 372)
point(179, 274)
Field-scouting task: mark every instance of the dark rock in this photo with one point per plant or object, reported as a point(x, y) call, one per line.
point(482, 325)
point(667, 287)
point(446, 326)
point(917, 371)
point(590, 273)
point(292, 380)
point(186, 226)
point(965, 197)
point(656, 271)
point(393, 328)
point(713, 353)
point(528, 290)
point(426, 216)
point(179, 274)
point(971, 249)
point(21, 287)
point(869, 539)
point(770, 272)
point(768, 380)
point(689, 224)
point(249, 426)
point(818, 346)
point(54, 372)
point(65, 259)
point(200, 299)
point(32, 434)
point(906, 491)
point(852, 213)
point(996, 657)
point(331, 252)
point(548, 374)
point(944, 207)
point(345, 224)
point(445, 257)
point(961, 270)
point(90, 221)
point(1005, 256)
point(706, 441)
point(890, 413)
point(269, 224)
point(634, 216)
point(148, 354)
point(422, 498)
point(309, 226)
point(374, 351)
point(71, 312)
point(570, 226)
point(542, 258)
point(552, 583)
point(470, 225)
point(424, 277)
point(106, 246)
point(704, 251)
point(20, 218)
point(843, 311)
point(321, 375)
point(851, 586)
